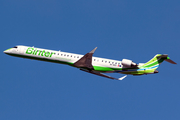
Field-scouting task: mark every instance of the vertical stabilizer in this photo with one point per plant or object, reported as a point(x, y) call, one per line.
point(158, 59)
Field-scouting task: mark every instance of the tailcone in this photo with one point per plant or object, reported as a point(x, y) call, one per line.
point(156, 71)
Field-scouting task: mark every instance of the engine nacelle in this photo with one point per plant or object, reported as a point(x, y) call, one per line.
point(128, 63)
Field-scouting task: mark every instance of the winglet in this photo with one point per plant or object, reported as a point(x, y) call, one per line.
point(93, 50)
point(122, 77)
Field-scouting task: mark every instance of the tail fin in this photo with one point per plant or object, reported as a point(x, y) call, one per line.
point(158, 59)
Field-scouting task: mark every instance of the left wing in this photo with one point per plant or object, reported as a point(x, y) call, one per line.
point(85, 64)
point(86, 60)
point(103, 75)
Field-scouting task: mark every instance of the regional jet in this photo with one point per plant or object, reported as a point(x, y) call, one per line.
point(90, 64)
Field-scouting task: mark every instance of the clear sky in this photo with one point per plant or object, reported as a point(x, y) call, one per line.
point(131, 29)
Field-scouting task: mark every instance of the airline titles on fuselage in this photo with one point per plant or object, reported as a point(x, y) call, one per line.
point(46, 53)
point(39, 52)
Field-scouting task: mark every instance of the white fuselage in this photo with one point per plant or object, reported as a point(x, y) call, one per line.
point(87, 63)
point(59, 56)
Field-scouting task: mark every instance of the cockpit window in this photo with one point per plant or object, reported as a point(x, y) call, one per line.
point(15, 47)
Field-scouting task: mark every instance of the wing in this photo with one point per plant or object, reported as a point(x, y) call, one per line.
point(102, 75)
point(86, 61)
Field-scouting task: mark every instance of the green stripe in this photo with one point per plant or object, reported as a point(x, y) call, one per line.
point(154, 61)
point(99, 68)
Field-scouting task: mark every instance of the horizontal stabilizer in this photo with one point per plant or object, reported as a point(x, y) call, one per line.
point(170, 61)
point(166, 58)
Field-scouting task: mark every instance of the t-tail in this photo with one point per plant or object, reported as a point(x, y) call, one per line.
point(154, 63)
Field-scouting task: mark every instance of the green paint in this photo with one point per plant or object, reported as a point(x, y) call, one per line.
point(34, 51)
point(154, 61)
point(51, 54)
point(41, 59)
point(100, 68)
point(29, 50)
point(47, 54)
point(40, 53)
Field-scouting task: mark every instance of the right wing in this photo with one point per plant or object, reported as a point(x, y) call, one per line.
point(103, 75)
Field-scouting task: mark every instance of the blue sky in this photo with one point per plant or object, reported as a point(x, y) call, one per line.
point(136, 30)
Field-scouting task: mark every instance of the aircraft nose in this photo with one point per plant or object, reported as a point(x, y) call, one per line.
point(7, 51)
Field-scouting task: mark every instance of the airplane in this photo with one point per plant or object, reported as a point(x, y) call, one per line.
point(90, 64)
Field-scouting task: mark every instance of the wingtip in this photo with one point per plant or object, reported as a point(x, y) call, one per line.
point(93, 50)
point(122, 77)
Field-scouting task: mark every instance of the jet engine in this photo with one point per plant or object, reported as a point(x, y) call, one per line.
point(128, 63)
